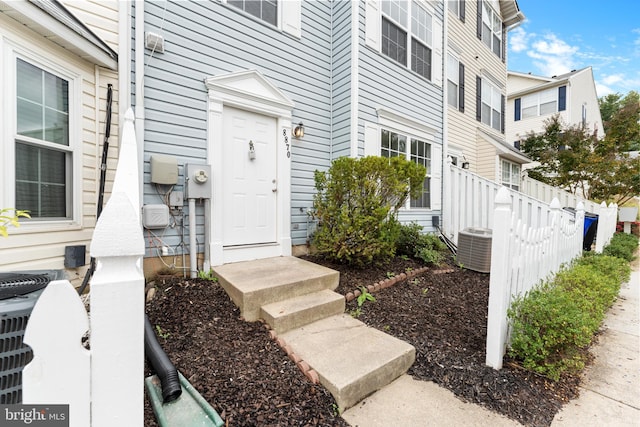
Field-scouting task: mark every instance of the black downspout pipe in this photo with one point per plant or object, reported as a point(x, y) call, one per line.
point(103, 178)
point(161, 364)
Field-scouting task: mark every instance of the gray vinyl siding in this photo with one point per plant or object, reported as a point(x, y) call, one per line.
point(385, 83)
point(208, 38)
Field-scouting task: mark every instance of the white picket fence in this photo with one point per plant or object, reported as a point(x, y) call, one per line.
point(104, 385)
point(521, 257)
point(469, 201)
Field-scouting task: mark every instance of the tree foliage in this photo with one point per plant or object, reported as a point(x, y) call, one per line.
point(596, 168)
point(356, 205)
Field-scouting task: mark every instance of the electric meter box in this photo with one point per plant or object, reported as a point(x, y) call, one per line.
point(155, 216)
point(198, 181)
point(164, 169)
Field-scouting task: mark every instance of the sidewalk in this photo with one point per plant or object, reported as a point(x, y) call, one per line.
point(609, 396)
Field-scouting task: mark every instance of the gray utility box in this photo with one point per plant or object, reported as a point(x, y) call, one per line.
point(197, 181)
point(474, 249)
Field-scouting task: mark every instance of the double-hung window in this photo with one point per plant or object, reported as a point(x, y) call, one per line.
point(489, 104)
point(457, 7)
point(284, 15)
point(266, 10)
point(549, 101)
point(490, 28)
point(407, 35)
point(455, 82)
point(395, 144)
point(43, 150)
point(510, 175)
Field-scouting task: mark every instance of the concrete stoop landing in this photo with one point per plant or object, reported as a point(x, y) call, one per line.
point(296, 299)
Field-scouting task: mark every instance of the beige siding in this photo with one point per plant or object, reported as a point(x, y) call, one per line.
point(101, 16)
point(42, 246)
point(478, 60)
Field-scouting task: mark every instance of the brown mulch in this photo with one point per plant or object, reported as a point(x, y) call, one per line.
point(250, 381)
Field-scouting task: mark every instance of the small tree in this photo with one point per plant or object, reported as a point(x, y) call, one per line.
point(9, 216)
point(356, 206)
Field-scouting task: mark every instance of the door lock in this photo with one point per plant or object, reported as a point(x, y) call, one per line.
point(252, 151)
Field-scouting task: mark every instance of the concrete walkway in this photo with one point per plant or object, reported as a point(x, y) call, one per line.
point(610, 395)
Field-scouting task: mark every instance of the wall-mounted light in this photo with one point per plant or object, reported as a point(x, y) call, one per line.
point(298, 132)
point(465, 164)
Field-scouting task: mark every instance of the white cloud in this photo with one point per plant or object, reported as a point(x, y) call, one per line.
point(518, 39)
point(552, 55)
point(613, 79)
point(603, 90)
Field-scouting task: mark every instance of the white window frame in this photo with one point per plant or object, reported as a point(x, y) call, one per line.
point(510, 174)
point(453, 77)
point(405, 21)
point(41, 59)
point(288, 16)
point(491, 96)
point(410, 128)
point(532, 105)
point(491, 19)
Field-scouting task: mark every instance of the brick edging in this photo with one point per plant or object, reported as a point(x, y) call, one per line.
point(304, 367)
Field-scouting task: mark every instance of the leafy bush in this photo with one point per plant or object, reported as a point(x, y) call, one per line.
point(9, 216)
point(356, 205)
point(554, 323)
point(622, 245)
point(426, 247)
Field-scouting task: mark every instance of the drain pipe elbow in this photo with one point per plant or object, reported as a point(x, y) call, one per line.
point(159, 361)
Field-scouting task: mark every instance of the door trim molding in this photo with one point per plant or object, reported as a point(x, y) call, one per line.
point(248, 90)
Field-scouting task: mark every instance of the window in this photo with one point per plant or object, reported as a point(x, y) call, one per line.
point(542, 103)
point(510, 175)
point(43, 153)
point(393, 144)
point(404, 38)
point(457, 7)
point(490, 28)
point(489, 104)
point(455, 83)
point(266, 10)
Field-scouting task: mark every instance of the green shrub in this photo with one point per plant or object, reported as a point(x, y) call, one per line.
point(356, 206)
point(554, 323)
point(426, 247)
point(622, 245)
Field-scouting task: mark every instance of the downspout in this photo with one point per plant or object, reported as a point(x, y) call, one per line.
point(446, 197)
point(139, 108)
point(331, 99)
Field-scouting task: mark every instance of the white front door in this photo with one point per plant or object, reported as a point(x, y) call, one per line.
point(249, 178)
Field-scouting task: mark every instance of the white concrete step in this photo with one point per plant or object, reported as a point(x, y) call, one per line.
point(352, 360)
point(298, 311)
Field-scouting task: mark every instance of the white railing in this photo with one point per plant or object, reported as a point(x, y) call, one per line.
point(470, 202)
point(103, 386)
point(546, 193)
point(521, 257)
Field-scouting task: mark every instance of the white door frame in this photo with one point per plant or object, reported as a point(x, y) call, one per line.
point(251, 91)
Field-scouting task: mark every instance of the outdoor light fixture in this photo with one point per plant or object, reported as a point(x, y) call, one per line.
point(298, 132)
point(465, 164)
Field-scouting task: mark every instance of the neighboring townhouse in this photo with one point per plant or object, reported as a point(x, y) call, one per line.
point(531, 100)
point(476, 88)
point(57, 60)
point(266, 93)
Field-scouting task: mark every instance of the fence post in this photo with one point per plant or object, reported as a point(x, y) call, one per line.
point(117, 298)
point(60, 370)
point(498, 299)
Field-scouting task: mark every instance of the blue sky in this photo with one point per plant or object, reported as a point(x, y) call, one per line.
point(562, 35)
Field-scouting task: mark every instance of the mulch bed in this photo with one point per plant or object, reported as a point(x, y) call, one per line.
point(250, 381)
